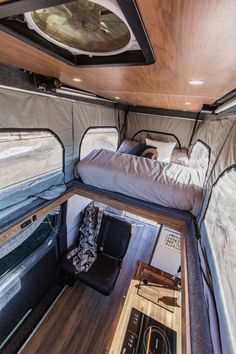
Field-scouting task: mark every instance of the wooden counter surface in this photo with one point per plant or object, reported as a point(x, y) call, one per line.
point(172, 320)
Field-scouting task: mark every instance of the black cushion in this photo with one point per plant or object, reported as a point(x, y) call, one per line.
point(113, 241)
point(101, 276)
point(139, 149)
point(114, 236)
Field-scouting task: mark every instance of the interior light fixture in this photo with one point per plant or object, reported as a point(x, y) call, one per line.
point(196, 82)
point(77, 93)
point(76, 79)
point(117, 98)
point(188, 103)
point(229, 104)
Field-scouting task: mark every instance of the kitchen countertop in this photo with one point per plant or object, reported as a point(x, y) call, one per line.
point(159, 313)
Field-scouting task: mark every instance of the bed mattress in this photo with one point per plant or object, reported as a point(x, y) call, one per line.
point(167, 184)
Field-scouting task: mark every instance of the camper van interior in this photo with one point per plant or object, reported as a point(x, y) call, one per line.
point(117, 177)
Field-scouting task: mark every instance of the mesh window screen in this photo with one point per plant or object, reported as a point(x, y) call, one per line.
point(26, 155)
point(99, 138)
point(31, 162)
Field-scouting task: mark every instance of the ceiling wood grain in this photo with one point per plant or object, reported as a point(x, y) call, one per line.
point(191, 40)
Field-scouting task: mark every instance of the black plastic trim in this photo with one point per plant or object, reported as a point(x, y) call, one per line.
point(155, 245)
point(125, 121)
point(194, 128)
point(133, 17)
point(163, 112)
point(16, 7)
point(62, 232)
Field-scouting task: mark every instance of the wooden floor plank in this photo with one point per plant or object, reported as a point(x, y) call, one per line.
point(84, 321)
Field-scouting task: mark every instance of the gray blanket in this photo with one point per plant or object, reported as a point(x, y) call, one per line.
point(167, 184)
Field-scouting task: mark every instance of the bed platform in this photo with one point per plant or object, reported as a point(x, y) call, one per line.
point(123, 201)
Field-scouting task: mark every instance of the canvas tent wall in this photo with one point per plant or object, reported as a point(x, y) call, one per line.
point(217, 222)
point(180, 124)
point(67, 119)
point(217, 225)
point(214, 133)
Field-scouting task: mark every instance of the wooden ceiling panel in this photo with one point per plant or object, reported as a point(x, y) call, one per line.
point(191, 40)
point(182, 103)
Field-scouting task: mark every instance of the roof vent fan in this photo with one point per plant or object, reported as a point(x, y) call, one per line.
point(81, 32)
point(95, 27)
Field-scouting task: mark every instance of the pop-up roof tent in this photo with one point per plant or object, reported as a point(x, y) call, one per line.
point(61, 122)
point(67, 120)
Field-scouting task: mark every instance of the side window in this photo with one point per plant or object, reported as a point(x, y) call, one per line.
point(26, 155)
point(22, 245)
point(99, 138)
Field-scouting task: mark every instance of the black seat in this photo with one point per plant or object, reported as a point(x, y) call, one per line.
point(113, 241)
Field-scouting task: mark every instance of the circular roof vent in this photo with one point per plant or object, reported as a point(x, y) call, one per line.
point(95, 28)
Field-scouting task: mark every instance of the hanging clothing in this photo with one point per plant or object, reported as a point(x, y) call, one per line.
point(84, 255)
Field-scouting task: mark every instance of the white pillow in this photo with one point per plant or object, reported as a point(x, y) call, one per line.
point(164, 150)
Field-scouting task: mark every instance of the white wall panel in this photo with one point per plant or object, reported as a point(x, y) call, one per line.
point(75, 205)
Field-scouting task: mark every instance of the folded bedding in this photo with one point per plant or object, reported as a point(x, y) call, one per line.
point(168, 184)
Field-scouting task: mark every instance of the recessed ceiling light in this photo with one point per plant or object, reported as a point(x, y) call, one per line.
point(76, 79)
point(188, 103)
point(196, 82)
point(117, 98)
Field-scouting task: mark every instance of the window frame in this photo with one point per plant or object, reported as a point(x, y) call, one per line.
point(98, 127)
